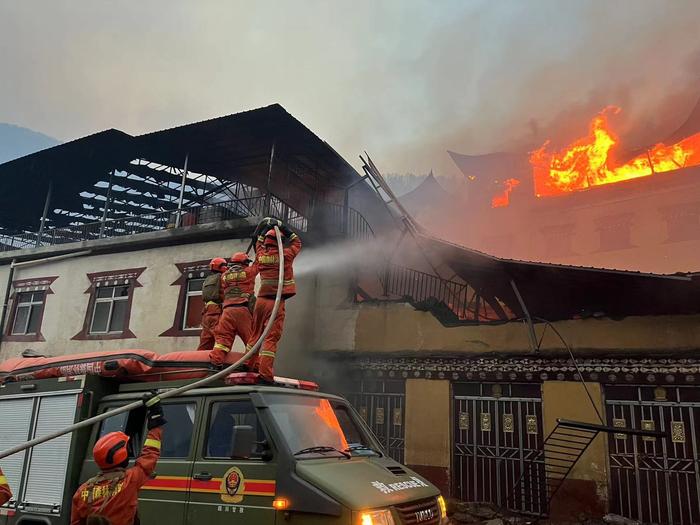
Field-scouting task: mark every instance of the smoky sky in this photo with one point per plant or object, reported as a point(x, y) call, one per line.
point(405, 80)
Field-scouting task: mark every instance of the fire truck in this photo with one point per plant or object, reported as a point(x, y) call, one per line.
point(232, 452)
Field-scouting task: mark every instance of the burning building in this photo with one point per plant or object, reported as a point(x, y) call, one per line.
point(457, 360)
point(593, 202)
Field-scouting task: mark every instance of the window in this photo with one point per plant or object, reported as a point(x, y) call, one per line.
point(131, 423)
point(109, 307)
point(109, 313)
point(224, 416)
point(178, 439)
point(194, 304)
point(682, 222)
point(188, 312)
point(28, 313)
point(29, 298)
point(615, 232)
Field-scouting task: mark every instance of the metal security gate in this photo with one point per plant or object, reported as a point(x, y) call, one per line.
point(381, 405)
point(497, 432)
point(655, 480)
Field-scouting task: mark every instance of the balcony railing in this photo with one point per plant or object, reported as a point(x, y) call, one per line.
point(458, 301)
point(337, 220)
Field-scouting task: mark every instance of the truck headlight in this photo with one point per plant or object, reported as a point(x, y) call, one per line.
point(376, 517)
point(443, 507)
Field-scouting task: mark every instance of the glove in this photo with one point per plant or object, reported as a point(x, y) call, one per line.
point(155, 417)
point(285, 230)
point(217, 357)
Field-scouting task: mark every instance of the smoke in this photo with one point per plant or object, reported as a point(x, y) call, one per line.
point(342, 257)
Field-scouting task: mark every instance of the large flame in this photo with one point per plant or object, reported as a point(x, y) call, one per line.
point(589, 161)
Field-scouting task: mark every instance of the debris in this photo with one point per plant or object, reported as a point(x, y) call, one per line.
point(616, 519)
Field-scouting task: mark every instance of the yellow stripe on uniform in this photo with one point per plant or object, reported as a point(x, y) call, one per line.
point(154, 443)
point(219, 346)
point(267, 353)
point(3, 480)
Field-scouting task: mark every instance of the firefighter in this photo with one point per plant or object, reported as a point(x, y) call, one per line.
point(267, 259)
point(5, 492)
point(111, 497)
point(212, 296)
point(238, 284)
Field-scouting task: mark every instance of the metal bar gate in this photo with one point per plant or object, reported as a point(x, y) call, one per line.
point(655, 480)
point(381, 404)
point(497, 433)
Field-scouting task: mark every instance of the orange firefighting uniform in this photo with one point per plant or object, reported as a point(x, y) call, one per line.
point(113, 494)
point(210, 315)
point(238, 284)
point(5, 492)
point(267, 259)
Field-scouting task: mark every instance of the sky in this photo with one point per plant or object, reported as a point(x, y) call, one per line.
point(405, 80)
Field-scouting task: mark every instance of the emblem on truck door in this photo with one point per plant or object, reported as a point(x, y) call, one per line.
point(424, 515)
point(232, 486)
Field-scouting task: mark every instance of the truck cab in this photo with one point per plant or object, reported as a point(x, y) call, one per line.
point(255, 454)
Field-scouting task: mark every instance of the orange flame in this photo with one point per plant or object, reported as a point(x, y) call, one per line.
point(587, 162)
point(503, 199)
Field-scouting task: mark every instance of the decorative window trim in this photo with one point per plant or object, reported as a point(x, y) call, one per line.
point(188, 270)
point(110, 278)
point(35, 284)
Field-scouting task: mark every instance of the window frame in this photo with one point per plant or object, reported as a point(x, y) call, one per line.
point(187, 271)
point(128, 277)
point(202, 452)
point(186, 308)
point(34, 285)
point(111, 300)
point(32, 305)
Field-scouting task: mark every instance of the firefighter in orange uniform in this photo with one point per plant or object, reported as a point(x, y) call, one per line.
point(5, 492)
point(212, 296)
point(238, 284)
point(267, 259)
point(111, 497)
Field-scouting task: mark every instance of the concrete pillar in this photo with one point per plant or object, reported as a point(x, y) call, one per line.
point(585, 490)
point(427, 433)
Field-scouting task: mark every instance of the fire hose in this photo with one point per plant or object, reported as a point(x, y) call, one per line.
point(168, 393)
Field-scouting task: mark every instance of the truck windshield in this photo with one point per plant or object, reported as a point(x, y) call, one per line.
point(316, 427)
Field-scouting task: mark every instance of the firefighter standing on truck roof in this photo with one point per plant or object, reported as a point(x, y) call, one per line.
point(212, 297)
point(238, 284)
point(111, 497)
point(267, 259)
point(5, 492)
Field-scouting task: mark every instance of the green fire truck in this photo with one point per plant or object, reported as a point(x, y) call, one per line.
point(241, 453)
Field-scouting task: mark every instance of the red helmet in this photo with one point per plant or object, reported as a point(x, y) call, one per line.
point(240, 258)
point(110, 450)
point(216, 263)
point(271, 237)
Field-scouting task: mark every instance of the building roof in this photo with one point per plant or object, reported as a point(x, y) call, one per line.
point(233, 148)
point(555, 292)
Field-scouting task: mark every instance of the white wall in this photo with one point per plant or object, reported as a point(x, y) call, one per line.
point(155, 302)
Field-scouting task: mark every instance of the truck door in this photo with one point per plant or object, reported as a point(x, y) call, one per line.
point(164, 498)
point(236, 490)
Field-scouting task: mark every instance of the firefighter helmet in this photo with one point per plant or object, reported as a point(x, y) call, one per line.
point(240, 258)
point(216, 263)
point(110, 450)
point(271, 237)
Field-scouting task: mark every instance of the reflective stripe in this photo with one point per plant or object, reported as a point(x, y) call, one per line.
point(267, 353)
point(211, 303)
point(292, 236)
point(274, 281)
point(219, 346)
point(154, 443)
point(3, 480)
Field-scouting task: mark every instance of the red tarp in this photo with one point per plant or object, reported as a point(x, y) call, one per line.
point(127, 365)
